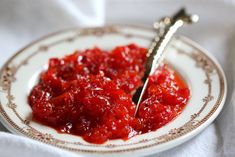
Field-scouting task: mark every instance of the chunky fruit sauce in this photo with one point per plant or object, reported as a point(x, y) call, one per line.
point(89, 93)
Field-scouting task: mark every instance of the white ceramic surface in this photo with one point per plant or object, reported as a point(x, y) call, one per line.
point(200, 70)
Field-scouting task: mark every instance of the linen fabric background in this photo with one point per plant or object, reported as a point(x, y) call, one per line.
point(22, 21)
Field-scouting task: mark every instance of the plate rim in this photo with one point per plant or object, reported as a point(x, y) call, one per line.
point(182, 138)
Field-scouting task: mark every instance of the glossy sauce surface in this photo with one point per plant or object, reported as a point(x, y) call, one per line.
point(89, 94)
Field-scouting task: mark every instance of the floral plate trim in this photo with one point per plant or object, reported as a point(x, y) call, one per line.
point(202, 61)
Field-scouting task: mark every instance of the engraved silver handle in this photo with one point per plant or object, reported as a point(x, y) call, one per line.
point(166, 29)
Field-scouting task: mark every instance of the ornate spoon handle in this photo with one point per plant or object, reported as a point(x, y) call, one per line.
point(167, 28)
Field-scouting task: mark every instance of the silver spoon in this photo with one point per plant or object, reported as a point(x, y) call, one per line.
point(166, 29)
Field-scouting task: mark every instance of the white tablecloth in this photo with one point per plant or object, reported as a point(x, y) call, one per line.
point(26, 20)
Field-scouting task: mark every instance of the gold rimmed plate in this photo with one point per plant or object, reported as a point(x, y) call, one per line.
point(200, 70)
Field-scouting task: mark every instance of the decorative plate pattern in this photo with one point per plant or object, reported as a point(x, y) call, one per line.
point(201, 71)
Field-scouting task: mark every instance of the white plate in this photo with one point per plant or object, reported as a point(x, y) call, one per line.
point(200, 70)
